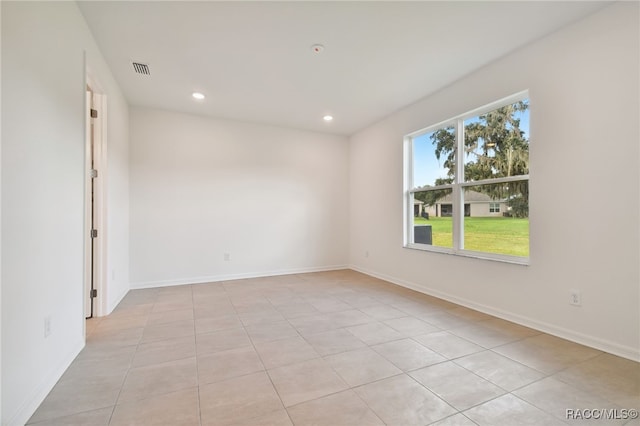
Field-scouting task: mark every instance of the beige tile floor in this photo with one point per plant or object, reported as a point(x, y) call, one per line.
point(332, 348)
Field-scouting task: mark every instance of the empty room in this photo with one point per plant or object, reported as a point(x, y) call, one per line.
point(320, 213)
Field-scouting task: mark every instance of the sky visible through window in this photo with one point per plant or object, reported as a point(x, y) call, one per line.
point(427, 168)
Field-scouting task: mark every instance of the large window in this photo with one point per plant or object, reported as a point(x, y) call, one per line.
point(467, 183)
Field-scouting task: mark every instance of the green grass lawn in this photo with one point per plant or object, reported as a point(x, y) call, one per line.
point(503, 235)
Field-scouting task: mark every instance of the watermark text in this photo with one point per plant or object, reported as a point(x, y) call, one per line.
point(601, 413)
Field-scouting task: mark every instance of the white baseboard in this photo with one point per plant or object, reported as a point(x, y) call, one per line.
point(231, 277)
point(35, 398)
point(623, 351)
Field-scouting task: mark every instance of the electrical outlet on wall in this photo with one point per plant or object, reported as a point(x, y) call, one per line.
point(47, 326)
point(227, 257)
point(575, 298)
point(366, 253)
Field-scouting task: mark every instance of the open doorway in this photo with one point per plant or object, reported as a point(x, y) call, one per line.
point(94, 201)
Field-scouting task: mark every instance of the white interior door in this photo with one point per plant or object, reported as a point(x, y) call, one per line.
point(89, 209)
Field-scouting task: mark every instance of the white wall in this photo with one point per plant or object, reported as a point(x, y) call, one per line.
point(275, 199)
point(43, 96)
point(116, 268)
point(583, 84)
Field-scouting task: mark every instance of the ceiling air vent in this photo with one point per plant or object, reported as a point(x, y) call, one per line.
point(141, 68)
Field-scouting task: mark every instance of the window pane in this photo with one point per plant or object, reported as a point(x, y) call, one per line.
point(432, 218)
point(497, 218)
point(434, 158)
point(497, 143)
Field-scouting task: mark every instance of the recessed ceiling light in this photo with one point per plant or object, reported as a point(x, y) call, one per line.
point(197, 95)
point(327, 118)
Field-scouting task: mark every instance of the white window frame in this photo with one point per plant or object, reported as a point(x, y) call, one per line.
point(494, 207)
point(457, 186)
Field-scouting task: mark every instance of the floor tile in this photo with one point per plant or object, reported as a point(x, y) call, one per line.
point(168, 331)
point(80, 395)
point(157, 379)
point(274, 418)
point(457, 386)
point(334, 341)
point(122, 322)
point(313, 324)
point(296, 310)
point(375, 333)
point(469, 314)
point(169, 409)
point(500, 370)
point(164, 351)
point(227, 364)
point(306, 381)
point(556, 397)
point(546, 353)
point(217, 323)
point(410, 326)
point(260, 317)
point(166, 306)
point(359, 300)
point(407, 354)
point(512, 411)
point(447, 344)
point(237, 400)
point(610, 376)
point(361, 366)
point(285, 351)
point(350, 317)
point(126, 337)
point(509, 328)
point(98, 417)
point(415, 308)
point(221, 341)
point(383, 312)
point(177, 352)
point(267, 332)
point(170, 316)
point(325, 305)
point(113, 360)
point(445, 320)
point(455, 420)
point(399, 400)
point(483, 336)
point(340, 409)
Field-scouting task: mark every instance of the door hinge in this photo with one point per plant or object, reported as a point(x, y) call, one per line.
point(94, 173)
point(94, 293)
point(94, 233)
point(94, 113)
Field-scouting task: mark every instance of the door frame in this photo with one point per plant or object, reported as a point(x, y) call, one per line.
point(99, 102)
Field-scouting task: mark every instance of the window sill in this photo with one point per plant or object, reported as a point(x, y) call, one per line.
point(516, 260)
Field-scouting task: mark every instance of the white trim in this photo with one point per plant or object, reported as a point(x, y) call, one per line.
point(504, 258)
point(408, 197)
point(623, 351)
point(99, 101)
point(494, 181)
point(37, 396)
point(102, 301)
point(231, 277)
point(1, 399)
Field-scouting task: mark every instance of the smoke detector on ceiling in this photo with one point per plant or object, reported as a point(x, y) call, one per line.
point(141, 68)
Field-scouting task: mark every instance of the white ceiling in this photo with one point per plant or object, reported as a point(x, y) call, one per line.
point(253, 60)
